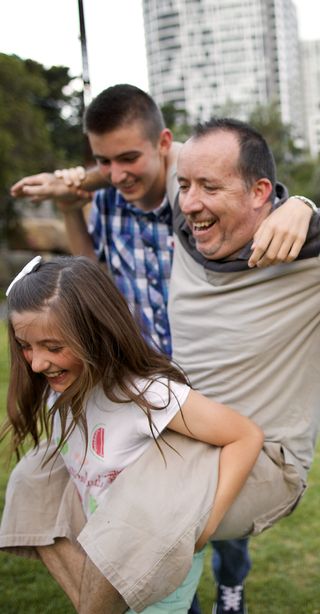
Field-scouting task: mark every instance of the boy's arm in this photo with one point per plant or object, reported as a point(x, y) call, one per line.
point(53, 185)
point(282, 234)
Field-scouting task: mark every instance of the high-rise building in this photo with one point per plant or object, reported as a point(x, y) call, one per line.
point(311, 89)
point(211, 55)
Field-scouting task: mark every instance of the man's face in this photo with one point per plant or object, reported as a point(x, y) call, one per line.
point(132, 163)
point(218, 206)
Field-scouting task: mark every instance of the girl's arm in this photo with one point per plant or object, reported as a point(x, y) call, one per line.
point(240, 439)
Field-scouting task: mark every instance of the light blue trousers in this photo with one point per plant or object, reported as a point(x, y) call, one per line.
point(180, 600)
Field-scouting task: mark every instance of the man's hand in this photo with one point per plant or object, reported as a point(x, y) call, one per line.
point(47, 185)
point(281, 235)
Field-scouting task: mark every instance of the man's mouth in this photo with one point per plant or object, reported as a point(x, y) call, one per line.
point(202, 226)
point(127, 186)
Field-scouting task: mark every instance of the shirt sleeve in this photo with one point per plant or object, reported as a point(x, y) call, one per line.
point(169, 397)
point(95, 225)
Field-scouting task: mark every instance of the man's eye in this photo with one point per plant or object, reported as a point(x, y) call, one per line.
point(183, 187)
point(102, 161)
point(210, 188)
point(130, 158)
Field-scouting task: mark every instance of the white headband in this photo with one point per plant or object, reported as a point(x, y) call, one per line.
point(30, 266)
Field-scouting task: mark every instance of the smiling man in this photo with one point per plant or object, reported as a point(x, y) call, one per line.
point(252, 336)
point(222, 211)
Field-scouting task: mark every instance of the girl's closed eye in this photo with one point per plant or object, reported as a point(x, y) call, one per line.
point(56, 349)
point(22, 346)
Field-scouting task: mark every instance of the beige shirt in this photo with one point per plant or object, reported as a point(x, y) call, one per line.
point(251, 339)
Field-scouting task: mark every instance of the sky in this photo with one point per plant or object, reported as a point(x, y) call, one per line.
point(48, 31)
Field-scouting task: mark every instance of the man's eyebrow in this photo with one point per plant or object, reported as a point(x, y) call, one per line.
point(122, 155)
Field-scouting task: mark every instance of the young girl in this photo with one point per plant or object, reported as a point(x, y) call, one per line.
point(82, 374)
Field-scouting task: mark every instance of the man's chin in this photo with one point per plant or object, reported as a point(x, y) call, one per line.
point(209, 252)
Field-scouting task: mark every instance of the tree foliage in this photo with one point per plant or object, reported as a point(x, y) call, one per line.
point(40, 123)
point(177, 121)
point(295, 167)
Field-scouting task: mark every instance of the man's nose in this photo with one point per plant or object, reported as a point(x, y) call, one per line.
point(190, 201)
point(117, 173)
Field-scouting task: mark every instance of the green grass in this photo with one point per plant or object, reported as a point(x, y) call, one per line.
point(284, 578)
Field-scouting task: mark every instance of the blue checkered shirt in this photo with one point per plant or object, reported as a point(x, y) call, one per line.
point(137, 247)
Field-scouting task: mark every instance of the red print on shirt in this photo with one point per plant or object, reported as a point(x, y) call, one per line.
point(97, 441)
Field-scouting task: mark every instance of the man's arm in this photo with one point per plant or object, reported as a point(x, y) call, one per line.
point(79, 239)
point(58, 186)
point(70, 200)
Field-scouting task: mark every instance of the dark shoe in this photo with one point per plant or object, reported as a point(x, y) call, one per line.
point(230, 599)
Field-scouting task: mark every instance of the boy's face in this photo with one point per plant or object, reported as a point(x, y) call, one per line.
point(132, 163)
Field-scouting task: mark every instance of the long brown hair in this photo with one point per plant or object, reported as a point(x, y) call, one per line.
point(95, 323)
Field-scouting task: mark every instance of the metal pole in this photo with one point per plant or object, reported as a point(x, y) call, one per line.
point(85, 65)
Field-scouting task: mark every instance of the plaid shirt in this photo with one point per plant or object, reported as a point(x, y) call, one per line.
point(137, 247)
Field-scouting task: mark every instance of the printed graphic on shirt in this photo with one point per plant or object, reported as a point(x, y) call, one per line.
point(65, 447)
point(92, 504)
point(97, 441)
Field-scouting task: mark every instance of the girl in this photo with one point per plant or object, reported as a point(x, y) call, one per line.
point(82, 374)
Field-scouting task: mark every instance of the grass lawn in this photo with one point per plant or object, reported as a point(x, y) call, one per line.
point(284, 578)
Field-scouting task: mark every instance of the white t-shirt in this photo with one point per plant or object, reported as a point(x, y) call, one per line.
point(118, 433)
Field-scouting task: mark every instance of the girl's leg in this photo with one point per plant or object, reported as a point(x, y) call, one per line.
point(180, 600)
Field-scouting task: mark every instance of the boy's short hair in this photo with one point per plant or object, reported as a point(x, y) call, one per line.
point(120, 105)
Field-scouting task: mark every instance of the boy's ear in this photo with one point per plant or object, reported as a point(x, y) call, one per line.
point(165, 141)
point(261, 189)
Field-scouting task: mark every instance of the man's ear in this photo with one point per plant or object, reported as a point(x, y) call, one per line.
point(261, 190)
point(165, 141)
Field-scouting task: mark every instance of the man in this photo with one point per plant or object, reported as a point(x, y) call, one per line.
point(252, 335)
point(131, 227)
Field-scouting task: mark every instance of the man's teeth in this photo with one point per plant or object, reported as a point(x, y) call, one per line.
point(201, 225)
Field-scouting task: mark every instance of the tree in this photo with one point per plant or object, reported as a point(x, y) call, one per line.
point(295, 167)
point(35, 132)
point(177, 121)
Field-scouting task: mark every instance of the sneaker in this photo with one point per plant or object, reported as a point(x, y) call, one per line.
point(230, 599)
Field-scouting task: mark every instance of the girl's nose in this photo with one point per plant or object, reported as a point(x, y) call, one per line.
point(39, 362)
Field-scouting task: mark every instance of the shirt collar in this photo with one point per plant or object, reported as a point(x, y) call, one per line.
point(159, 213)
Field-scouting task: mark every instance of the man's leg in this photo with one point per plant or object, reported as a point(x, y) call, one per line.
point(82, 582)
point(195, 606)
point(231, 564)
point(97, 595)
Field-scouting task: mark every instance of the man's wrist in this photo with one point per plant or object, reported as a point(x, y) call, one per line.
point(307, 202)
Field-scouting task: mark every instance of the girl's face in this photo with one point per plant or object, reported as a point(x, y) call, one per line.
point(44, 350)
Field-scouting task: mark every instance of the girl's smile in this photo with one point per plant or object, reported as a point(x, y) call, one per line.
point(42, 347)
